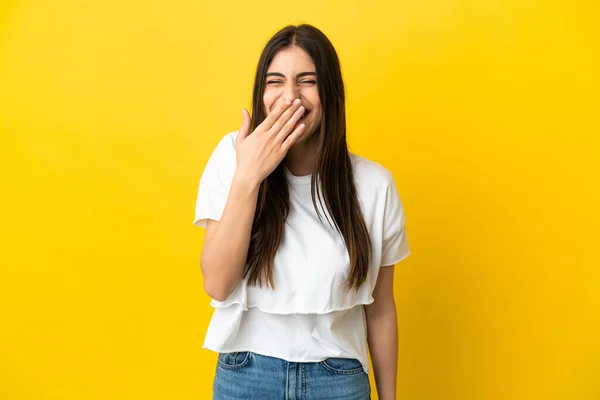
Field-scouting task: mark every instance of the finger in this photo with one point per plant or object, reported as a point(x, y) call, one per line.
point(245, 127)
point(292, 137)
point(289, 125)
point(285, 117)
point(275, 114)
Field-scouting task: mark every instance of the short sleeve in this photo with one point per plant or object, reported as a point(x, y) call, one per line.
point(215, 182)
point(395, 243)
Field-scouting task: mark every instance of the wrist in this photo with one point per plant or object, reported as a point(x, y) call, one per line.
point(248, 181)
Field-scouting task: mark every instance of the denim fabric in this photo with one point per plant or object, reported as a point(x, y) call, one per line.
point(247, 375)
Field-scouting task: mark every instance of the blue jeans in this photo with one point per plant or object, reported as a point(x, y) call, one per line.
point(247, 375)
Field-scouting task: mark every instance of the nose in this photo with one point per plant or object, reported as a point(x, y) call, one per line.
point(290, 92)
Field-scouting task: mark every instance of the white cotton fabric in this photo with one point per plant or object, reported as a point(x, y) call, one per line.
point(308, 316)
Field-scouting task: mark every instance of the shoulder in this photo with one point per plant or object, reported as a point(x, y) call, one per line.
point(222, 161)
point(369, 174)
point(227, 142)
point(224, 151)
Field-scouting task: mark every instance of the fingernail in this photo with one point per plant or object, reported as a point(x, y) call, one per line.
point(297, 101)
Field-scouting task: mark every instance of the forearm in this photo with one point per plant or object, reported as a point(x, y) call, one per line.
point(383, 346)
point(225, 252)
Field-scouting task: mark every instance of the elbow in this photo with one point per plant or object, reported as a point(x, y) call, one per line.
point(216, 292)
point(215, 288)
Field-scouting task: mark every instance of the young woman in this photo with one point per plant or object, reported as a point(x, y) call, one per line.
point(301, 239)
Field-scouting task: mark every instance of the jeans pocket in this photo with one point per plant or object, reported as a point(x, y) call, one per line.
point(236, 360)
point(342, 366)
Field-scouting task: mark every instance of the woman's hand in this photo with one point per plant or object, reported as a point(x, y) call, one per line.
point(259, 153)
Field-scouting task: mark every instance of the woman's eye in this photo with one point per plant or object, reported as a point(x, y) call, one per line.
point(309, 82)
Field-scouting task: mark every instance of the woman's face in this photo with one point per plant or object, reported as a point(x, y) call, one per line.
point(292, 75)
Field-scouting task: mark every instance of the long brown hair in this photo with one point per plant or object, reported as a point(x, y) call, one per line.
point(333, 167)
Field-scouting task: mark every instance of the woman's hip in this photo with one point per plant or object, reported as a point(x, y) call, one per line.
point(247, 375)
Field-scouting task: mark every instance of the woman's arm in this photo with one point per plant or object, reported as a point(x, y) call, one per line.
point(382, 334)
point(226, 242)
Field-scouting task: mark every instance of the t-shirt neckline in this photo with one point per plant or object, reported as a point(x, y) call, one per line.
point(297, 179)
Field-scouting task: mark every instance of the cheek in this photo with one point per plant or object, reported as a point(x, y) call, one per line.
point(319, 113)
point(268, 101)
point(319, 118)
point(313, 98)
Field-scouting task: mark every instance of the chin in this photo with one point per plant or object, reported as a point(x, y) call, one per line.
point(307, 135)
point(311, 131)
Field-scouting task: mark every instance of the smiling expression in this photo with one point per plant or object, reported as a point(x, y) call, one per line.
point(292, 75)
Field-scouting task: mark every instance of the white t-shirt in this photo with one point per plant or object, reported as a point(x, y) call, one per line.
point(308, 316)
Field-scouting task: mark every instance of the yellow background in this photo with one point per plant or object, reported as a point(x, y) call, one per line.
point(486, 111)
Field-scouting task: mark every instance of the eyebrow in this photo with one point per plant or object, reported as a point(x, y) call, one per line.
point(299, 75)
